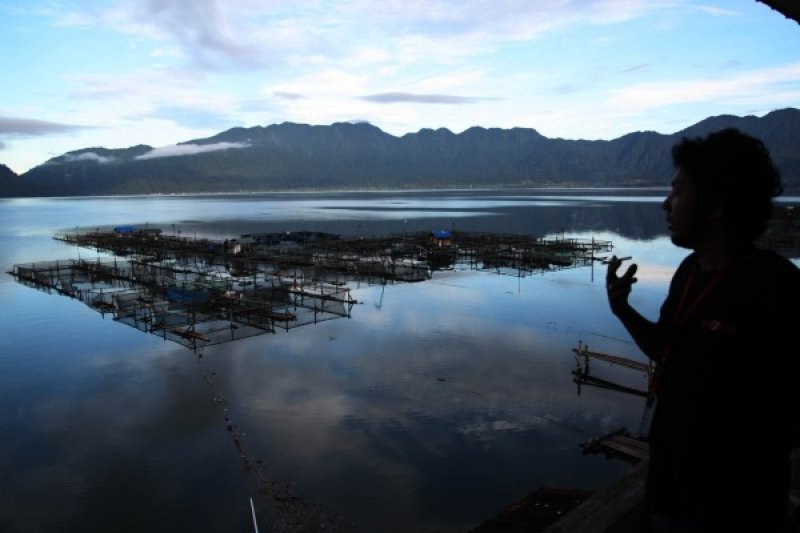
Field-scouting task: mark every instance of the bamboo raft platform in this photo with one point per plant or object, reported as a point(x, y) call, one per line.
point(583, 376)
point(582, 351)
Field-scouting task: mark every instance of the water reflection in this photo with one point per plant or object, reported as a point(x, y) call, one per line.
point(424, 402)
point(369, 213)
point(188, 306)
point(431, 406)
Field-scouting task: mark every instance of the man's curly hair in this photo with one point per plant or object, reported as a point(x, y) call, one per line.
point(734, 172)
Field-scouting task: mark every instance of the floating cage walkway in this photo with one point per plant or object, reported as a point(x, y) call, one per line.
point(329, 257)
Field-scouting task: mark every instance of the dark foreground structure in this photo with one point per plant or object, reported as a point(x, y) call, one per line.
point(619, 508)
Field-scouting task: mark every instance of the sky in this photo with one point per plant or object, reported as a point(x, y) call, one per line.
point(117, 73)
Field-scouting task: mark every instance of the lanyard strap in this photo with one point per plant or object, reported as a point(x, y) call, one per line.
point(683, 313)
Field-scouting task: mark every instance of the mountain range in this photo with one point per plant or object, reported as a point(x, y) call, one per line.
point(293, 156)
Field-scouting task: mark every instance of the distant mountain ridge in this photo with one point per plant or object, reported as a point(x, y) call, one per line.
point(293, 156)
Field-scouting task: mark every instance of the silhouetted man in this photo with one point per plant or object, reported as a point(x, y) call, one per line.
point(724, 395)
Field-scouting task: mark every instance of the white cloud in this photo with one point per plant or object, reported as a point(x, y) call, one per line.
point(394, 97)
point(189, 149)
point(756, 86)
point(88, 156)
point(248, 33)
point(717, 11)
point(165, 72)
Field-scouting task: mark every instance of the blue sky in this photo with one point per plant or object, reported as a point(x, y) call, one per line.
point(113, 74)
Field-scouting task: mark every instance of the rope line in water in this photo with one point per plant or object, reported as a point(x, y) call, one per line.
point(281, 510)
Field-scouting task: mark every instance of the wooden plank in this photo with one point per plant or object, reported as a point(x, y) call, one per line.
point(635, 452)
point(632, 442)
point(614, 359)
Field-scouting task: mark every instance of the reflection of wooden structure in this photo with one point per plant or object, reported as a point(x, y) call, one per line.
point(583, 375)
point(616, 509)
point(187, 305)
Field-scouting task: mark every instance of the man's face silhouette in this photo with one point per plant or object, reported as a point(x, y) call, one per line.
point(684, 220)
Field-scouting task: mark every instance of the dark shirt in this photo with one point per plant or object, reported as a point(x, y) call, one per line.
point(726, 415)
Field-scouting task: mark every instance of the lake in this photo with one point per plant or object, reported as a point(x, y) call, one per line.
point(432, 407)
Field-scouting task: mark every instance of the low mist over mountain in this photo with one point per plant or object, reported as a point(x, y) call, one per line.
point(360, 156)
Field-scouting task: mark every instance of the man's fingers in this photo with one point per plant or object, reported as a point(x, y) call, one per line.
point(628, 275)
point(611, 271)
point(614, 282)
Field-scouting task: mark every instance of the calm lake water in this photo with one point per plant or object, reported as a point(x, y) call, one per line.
point(432, 407)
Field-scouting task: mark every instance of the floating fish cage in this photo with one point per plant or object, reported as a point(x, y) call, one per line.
point(200, 292)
